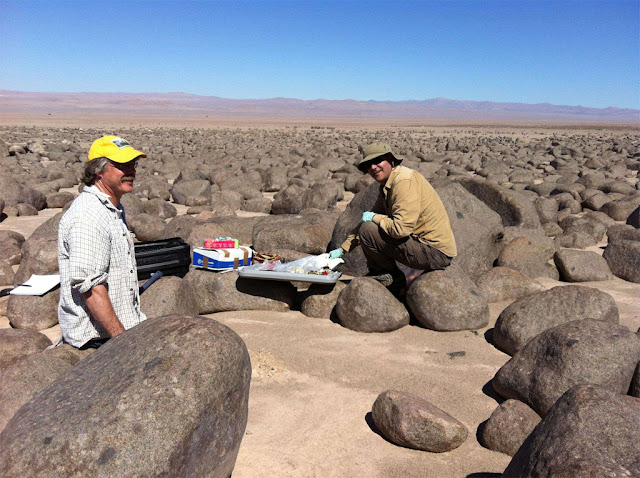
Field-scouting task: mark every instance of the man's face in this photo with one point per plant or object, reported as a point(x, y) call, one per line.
point(117, 178)
point(380, 171)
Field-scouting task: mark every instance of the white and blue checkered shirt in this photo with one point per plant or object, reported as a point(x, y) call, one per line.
point(95, 247)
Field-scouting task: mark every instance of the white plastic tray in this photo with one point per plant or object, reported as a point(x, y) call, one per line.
point(330, 278)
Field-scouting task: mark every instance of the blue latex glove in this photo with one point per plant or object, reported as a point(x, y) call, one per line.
point(368, 216)
point(336, 253)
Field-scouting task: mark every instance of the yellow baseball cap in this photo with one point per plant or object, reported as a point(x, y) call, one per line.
point(115, 148)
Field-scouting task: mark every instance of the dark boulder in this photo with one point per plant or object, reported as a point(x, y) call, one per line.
point(308, 233)
point(167, 296)
point(447, 300)
point(365, 305)
point(531, 315)
point(166, 398)
point(514, 208)
point(508, 427)
point(159, 207)
point(320, 300)
point(225, 292)
point(623, 258)
point(590, 431)
point(504, 283)
point(582, 351)
point(146, 227)
point(34, 312)
point(528, 257)
point(23, 379)
point(581, 266)
point(16, 344)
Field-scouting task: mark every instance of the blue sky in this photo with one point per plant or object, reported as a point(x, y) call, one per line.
point(571, 52)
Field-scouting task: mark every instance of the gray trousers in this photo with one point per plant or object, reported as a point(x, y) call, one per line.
point(382, 250)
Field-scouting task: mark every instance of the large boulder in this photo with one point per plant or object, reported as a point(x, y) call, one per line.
point(16, 344)
point(166, 398)
point(582, 351)
point(23, 379)
point(528, 257)
point(623, 258)
point(447, 300)
point(514, 208)
point(167, 296)
point(478, 230)
point(320, 300)
point(217, 292)
point(159, 207)
point(39, 256)
point(34, 312)
point(527, 317)
point(146, 227)
point(288, 200)
point(308, 233)
point(14, 192)
point(590, 431)
point(621, 209)
point(581, 266)
point(412, 422)
point(365, 305)
point(354, 261)
point(195, 192)
point(508, 427)
point(240, 228)
point(504, 283)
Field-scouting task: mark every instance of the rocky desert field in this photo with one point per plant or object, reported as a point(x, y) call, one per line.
point(520, 359)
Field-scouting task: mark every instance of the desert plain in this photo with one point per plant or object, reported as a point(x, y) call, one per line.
point(314, 381)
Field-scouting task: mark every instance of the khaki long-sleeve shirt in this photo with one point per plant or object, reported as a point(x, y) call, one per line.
point(407, 205)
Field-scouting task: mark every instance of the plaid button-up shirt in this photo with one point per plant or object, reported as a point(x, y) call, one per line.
point(95, 247)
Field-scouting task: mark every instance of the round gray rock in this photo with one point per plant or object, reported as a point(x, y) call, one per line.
point(16, 344)
point(527, 317)
point(590, 431)
point(582, 351)
point(166, 398)
point(448, 300)
point(508, 427)
point(365, 305)
point(581, 266)
point(34, 312)
point(504, 283)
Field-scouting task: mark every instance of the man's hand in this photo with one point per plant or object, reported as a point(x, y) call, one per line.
point(101, 309)
point(368, 216)
point(336, 253)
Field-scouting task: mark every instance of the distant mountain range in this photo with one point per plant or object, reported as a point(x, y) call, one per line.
point(188, 104)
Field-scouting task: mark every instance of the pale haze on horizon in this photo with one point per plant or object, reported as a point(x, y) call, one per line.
point(567, 52)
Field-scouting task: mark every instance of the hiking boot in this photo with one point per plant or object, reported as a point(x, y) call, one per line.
point(393, 281)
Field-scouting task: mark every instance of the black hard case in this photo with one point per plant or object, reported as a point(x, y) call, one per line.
point(171, 256)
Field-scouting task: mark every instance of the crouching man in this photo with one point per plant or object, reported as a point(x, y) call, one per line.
point(408, 222)
point(99, 296)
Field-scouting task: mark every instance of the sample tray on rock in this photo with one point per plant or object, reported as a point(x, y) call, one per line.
point(330, 278)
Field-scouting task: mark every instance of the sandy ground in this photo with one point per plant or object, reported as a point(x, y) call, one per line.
point(314, 383)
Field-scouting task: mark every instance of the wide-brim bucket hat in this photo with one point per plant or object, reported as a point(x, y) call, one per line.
point(374, 151)
point(114, 148)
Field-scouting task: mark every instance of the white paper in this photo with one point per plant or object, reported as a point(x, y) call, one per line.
point(37, 285)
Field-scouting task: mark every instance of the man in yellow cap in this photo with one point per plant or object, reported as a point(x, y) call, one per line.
point(407, 224)
point(99, 296)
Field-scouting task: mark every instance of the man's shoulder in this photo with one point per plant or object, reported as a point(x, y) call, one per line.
point(402, 173)
point(85, 206)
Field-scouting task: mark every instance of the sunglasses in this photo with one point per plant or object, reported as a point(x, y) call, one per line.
point(125, 166)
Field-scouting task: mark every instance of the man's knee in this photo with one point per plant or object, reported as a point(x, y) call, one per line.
point(369, 233)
